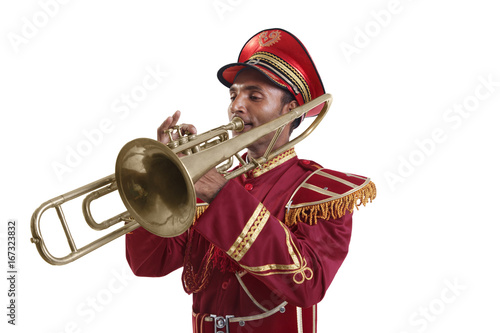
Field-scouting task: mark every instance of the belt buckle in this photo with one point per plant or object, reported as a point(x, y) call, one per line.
point(220, 323)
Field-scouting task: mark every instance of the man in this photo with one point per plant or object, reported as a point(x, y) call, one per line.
point(265, 246)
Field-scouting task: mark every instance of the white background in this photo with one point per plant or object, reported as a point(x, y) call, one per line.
point(424, 254)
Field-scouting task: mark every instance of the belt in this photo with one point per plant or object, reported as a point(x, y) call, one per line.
point(222, 323)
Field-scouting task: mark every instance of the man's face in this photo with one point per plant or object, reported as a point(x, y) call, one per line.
point(256, 100)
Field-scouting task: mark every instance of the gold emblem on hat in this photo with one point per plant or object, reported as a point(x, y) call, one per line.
point(271, 39)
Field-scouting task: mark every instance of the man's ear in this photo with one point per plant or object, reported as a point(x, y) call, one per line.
point(292, 105)
point(289, 106)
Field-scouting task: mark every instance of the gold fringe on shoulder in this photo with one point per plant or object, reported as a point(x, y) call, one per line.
point(200, 209)
point(331, 209)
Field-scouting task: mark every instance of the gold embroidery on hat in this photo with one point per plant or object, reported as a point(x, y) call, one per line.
point(273, 38)
point(274, 78)
point(286, 69)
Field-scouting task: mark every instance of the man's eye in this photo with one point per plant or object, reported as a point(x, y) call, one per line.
point(254, 98)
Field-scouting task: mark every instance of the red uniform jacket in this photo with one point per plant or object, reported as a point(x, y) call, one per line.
point(266, 249)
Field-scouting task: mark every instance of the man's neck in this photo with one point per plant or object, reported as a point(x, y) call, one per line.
point(258, 149)
point(253, 153)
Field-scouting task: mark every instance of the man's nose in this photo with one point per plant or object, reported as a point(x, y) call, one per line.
point(237, 105)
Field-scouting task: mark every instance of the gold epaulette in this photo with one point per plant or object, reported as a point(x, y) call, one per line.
point(327, 194)
point(200, 209)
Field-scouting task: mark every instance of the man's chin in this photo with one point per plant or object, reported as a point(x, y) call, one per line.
point(247, 128)
point(244, 130)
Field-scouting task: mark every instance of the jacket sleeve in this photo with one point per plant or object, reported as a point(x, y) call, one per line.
point(151, 255)
point(297, 263)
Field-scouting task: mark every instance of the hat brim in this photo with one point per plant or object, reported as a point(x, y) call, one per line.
point(227, 74)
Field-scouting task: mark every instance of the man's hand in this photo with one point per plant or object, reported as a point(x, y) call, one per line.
point(170, 123)
point(212, 182)
point(209, 185)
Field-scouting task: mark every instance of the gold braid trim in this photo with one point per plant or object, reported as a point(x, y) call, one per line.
point(200, 209)
point(194, 282)
point(331, 209)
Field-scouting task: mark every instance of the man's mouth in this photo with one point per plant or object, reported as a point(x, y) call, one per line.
point(247, 125)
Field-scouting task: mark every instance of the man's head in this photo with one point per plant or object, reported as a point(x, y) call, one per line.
point(273, 75)
point(284, 60)
point(257, 100)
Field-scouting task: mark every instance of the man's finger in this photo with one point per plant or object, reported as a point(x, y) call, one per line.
point(188, 128)
point(169, 123)
point(175, 118)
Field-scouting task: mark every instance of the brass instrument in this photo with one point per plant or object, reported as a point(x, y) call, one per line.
point(156, 182)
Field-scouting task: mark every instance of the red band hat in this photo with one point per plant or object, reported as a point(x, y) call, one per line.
point(281, 57)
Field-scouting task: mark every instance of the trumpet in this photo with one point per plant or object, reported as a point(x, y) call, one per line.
point(156, 181)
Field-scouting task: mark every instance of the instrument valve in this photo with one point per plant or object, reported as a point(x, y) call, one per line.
point(173, 144)
point(195, 149)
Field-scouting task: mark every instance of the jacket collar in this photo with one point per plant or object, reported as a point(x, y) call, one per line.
point(270, 165)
